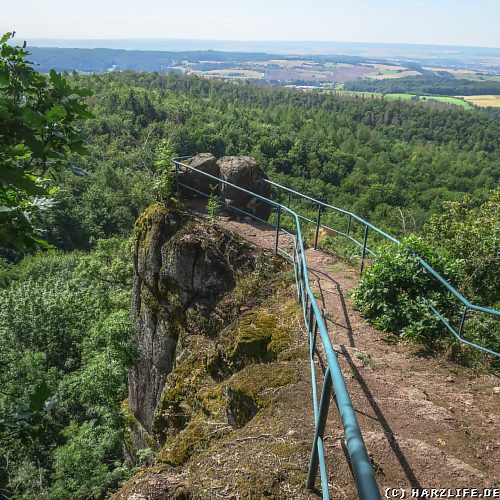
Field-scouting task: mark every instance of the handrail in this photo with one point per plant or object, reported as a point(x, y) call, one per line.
point(333, 378)
point(467, 305)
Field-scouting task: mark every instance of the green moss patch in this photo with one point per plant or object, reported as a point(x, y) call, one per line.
point(179, 400)
point(254, 388)
point(260, 335)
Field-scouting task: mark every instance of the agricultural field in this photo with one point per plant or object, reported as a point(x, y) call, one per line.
point(492, 101)
point(235, 73)
point(467, 74)
point(456, 101)
point(386, 71)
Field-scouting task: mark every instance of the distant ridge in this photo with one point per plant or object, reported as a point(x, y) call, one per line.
point(281, 47)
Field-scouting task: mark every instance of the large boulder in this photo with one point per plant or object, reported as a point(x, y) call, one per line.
point(244, 172)
point(205, 162)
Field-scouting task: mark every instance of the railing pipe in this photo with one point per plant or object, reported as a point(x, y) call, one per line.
point(278, 219)
point(363, 251)
point(316, 459)
point(318, 225)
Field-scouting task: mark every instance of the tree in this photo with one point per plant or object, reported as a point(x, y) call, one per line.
point(39, 115)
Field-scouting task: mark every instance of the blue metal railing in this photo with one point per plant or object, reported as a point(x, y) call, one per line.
point(334, 382)
point(367, 227)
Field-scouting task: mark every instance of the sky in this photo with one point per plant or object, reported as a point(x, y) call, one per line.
point(443, 22)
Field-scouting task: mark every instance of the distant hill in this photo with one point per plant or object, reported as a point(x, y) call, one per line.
point(99, 60)
point(102, 60)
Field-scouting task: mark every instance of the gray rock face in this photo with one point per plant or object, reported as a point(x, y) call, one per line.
point(182, 269)
point(244, 172)
point(206, 162)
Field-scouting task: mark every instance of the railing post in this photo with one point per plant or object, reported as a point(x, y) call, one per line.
point(277, 230)
point(363, 253)
point(462, 321)
point(318, 222)
point(349, 225)
point(320, 430)
point(309, 325)
point(177, 179)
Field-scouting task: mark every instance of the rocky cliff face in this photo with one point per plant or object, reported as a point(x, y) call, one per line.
point(216, 347)
point(183, 269)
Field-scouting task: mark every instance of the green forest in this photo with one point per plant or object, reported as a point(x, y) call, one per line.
point(82, 155)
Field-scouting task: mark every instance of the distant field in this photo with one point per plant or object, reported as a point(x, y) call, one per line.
point(336, 74)
point(387, 71)
point(484, 100)
point(447, 100)
point(467, 74)
point(235, 73)
point(407, 97)
point(387, 74)
point(404, 97)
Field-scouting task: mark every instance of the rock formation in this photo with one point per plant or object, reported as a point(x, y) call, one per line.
point(214, 344)
point(242, 171)
point(182, 270)
point(246, 173)
point(205, 162)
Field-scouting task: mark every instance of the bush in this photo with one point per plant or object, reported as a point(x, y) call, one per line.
point(393, 291)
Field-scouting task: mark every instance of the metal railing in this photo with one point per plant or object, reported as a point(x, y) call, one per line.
point(333, 383)
point(362, 243)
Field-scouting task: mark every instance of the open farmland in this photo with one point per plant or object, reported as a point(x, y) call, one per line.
point(384, 71)
point(456, 101)
point(337, 74)
point(492, 101)
point(235, 73)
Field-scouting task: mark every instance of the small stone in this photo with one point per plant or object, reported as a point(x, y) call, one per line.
point(450, 380)
point(496, 390)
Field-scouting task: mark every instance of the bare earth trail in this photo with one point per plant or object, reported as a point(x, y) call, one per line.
point(427, 423)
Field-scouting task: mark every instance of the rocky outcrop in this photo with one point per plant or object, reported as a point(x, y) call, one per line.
point(205, 162)
point(244, 172)
point(183, 268)
point(215, 346)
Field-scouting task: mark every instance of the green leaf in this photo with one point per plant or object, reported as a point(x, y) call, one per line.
point(38, 398)
point(5, 37)
point(22, 180)
point(55, 114)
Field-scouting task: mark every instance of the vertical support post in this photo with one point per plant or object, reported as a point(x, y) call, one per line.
point(277, 230)
point(315, 334)
point(309, 325)
point(349, 225)
point(318, 223)
point(177, 179)
point(289, 199)
point(320, 429)
point(363, 253)
point(462, 321)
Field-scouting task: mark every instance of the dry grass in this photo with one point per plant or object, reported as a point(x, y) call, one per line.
point(484, 100)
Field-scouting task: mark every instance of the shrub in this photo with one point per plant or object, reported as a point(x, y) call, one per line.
point(393, 292)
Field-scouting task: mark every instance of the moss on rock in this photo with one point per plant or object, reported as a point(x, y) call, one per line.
point(254, 388)
point(260, 335)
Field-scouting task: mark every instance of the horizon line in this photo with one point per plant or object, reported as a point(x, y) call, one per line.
point(132, 39)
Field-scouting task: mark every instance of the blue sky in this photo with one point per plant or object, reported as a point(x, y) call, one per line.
point(454, 22)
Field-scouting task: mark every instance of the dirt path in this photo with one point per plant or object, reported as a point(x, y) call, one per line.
point(427, 422)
